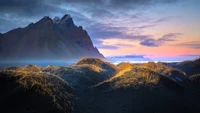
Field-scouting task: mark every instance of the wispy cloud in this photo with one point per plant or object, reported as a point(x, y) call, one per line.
point(151, 42)
point(192, 44)
point(114, 43)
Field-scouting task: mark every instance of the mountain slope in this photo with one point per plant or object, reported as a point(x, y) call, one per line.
point(47, 39)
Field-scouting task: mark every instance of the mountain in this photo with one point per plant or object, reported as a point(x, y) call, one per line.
point(48, 39)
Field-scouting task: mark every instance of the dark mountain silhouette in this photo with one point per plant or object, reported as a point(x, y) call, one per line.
point(48, 39)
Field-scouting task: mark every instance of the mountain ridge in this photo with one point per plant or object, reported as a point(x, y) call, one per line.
point(48, 40)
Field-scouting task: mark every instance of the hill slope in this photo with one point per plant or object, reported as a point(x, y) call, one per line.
point(86, 72)
point(190, 67)
point(98, 87)
point(28, 92)
point(142, 90)
point(164, 69)
point(108, 67)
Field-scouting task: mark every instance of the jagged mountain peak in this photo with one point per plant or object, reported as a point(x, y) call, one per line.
point(56, 19)
point(46, 18)
point(66, 17)
point(57, 39)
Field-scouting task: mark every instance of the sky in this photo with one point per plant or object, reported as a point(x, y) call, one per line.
point(154, 29)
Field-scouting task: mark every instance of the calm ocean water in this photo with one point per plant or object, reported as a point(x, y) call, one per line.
point(59, 63)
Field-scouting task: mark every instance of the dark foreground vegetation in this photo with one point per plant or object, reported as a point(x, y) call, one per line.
point(95, 86)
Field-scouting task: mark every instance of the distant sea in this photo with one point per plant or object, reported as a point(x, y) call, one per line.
point(4, 65)
point(139, 62)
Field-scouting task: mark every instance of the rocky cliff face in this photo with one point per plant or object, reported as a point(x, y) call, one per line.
point(48, 39)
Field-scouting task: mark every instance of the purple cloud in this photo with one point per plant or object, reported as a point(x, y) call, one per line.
point(150, 42)
point(112, 47)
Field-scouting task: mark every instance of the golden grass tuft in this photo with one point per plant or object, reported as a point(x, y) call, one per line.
point(97, 62)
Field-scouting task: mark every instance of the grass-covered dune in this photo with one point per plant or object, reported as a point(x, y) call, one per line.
point(139, 77)
point(142, 90)
point(165, 70)
point(85, 73)
point(34, 92)
point(95, 86)
point(189, 67)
